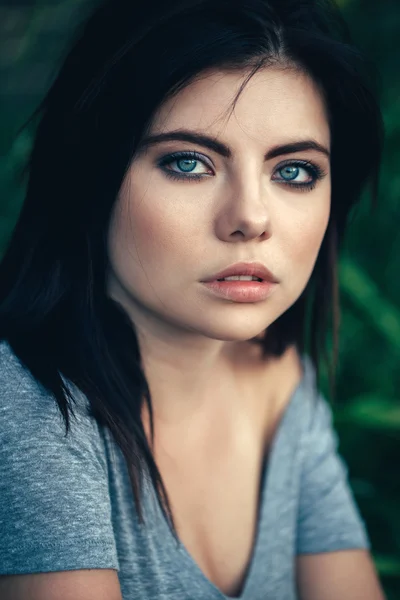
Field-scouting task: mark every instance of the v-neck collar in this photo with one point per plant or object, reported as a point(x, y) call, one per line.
point(183, 562)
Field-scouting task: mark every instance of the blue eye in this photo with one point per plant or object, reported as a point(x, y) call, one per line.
point(298, 174)
point(186, 163)
point(289, 173)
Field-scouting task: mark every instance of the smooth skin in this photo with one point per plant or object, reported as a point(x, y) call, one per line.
point(166, 236)
point(84, 584)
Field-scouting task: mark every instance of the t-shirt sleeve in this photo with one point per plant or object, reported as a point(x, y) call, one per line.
point(55, 512)
point(328, 517)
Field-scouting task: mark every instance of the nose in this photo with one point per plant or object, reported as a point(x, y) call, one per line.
point(245, 213)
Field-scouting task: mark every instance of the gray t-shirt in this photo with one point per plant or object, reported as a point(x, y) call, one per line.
point(66, 502)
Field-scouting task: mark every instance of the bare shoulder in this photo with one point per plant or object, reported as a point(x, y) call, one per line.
point(87, 584)
point(345, 574)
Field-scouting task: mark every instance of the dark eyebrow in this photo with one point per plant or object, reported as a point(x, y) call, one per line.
point(184, 135)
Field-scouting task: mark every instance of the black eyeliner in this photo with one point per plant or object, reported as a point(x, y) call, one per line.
point(315, 170)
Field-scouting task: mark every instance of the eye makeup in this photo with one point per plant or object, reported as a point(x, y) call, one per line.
point(314, 172)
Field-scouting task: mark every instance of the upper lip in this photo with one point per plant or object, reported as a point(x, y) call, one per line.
point(255, 269)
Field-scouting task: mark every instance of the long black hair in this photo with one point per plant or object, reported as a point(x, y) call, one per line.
point(127, 59)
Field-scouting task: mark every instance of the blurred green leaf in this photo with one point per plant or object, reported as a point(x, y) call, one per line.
point(365, 294)
point(371, 411)
point(387, 565)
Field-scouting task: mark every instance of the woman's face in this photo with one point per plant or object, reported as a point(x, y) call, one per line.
point(264, 202)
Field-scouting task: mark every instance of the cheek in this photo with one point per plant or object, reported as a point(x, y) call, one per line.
point(151, 233)
point(162, 230)
point(305, 237)
point(308, 241)
point(135, 241)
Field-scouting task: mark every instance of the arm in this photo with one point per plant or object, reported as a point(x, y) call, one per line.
point(344, 575)
point(333, 560)
point(96, 584)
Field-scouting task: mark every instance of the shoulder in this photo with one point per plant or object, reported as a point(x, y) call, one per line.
point(23, 398)
point(23, 401)
point(12, 373)
point(299, 373)
point(284, 376)
point(32, 427)
point(50, 482)
point(17, 384)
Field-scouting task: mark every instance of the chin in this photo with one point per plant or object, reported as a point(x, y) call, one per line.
point(235, 334)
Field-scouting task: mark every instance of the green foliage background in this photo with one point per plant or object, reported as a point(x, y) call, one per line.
point(367, 408)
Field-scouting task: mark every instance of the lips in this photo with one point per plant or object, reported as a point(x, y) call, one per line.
point(253, 269)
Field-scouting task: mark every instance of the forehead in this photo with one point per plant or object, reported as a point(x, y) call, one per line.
point(276, 104)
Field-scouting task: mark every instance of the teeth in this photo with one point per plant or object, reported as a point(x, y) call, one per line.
point(240, 278)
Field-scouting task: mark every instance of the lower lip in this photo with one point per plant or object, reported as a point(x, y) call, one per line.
point(242, 291)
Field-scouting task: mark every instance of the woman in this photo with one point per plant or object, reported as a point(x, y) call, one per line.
point(180, 144)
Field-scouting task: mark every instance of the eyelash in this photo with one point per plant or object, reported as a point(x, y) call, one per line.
point(314, 170)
